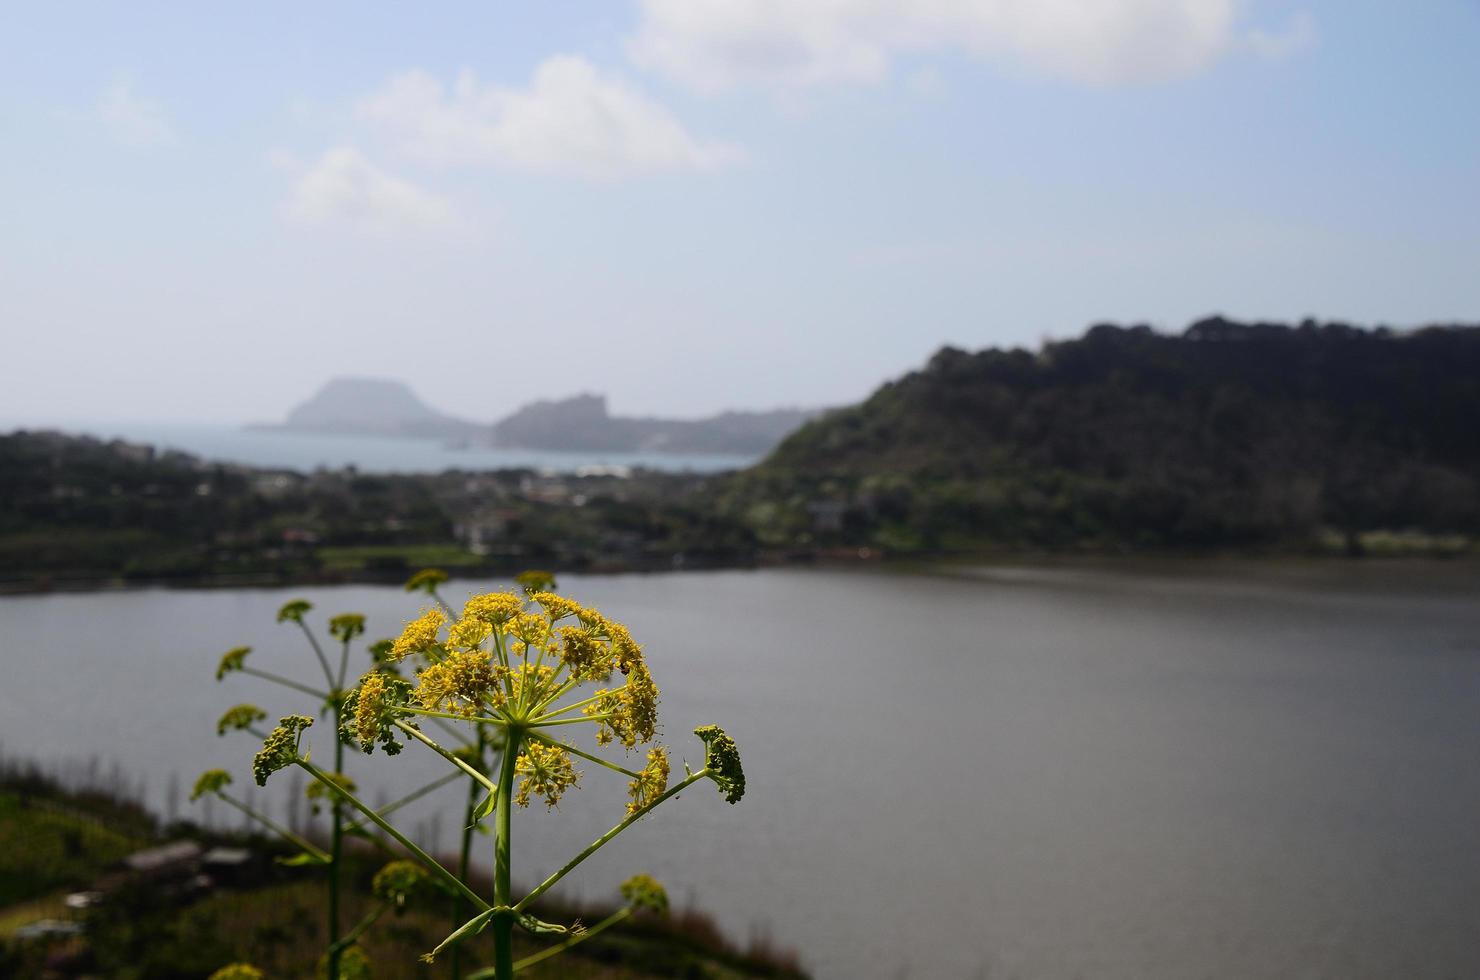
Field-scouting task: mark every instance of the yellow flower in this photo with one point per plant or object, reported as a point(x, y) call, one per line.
point(546, 771)
point(419, 634)
point(651, 782)
point(624, 648)
point(644, 892)
point(346, 626)
point(468, 633)
point(460, 683)
point(280, 750)
point(557, 607)
point(586, 657)
point(531, 629)
point(233, 659)
point(494, 608)
point(631, 711)
point(426, 580)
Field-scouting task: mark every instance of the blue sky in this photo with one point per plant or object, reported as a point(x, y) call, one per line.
point(692, 205)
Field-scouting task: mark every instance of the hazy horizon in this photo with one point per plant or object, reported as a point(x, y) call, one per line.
point(697, 206)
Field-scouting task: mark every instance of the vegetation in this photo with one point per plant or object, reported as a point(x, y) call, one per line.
point(503, 681)
point(1227, 436)
point(1315, 438)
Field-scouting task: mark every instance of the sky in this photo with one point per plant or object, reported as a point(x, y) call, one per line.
point(207, 210)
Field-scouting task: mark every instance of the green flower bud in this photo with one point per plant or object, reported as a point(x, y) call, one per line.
point(232, 660)
point(644, 892)
point(210, 781)
point(281, 748)
point(426, 580)
point(722, 757)
point(242, 716)
point(294, 611)
point(536, 580)
point(346, 626)
point(399, 882)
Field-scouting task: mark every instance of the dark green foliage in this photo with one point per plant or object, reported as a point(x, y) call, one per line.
point(1228, 435)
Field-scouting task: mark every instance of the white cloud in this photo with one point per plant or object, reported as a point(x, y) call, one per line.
point(131, 120)
point(1298, 35)
point(719, 44)
point(344, 187)
point(570, 119)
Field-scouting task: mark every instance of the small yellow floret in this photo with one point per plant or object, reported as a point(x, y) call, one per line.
point(494, 608)
point(468, 633)
point(651, 782)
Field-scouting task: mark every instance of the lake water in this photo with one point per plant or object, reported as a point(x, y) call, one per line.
point(305, 451)
point(1041, 773)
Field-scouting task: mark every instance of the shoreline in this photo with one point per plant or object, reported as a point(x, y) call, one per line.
point(954, 562)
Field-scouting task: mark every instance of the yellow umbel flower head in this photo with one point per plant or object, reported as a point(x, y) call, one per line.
point(372, 708)
point(494, 608)
point(346, 626)
point(461, 683)
point(469, 633)
point(557, 607)
point(419, 635)
point(294, 611)
point(644, 892)
point(651, 782)
point(547, 772)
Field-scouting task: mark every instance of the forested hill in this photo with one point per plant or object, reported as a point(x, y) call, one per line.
point(1227, 435)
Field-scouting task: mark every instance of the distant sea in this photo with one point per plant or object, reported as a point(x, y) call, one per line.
point(370, 454)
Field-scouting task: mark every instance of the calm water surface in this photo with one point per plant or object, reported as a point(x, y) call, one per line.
point(1018, 772)
point(373, 454)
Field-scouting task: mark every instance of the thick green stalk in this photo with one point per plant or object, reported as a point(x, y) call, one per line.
point(503, 887)
point(336, 851)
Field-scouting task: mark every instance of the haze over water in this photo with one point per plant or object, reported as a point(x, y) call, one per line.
point(1203, 771)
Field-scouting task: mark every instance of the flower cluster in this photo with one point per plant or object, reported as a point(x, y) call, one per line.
point(294, 611)
point(547, 772)
point(371, 710)
point(238, 971)
point(722, 759)
point(280, 750)
point(239, 717)
point(347, 626)
point(231, 660)
point(651, 782)
point(398, 882)
point(644, 892)
point(210, 781)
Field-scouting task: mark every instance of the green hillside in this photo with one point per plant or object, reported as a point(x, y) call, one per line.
point(1225, 436)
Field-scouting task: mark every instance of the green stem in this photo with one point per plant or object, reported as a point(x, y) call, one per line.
point(571, 721)
point(278, 829)
point(469, 770)
point(597, 844)
point(343, 666)
point(336, 849)
point(559, 948)
point(318, 651)
point(428, 713)
point(279, 679)
point(572, 707)
point(464, 860)
point(348, 939)
point(427, 861)
point(585, 755)
point(412, 797)
point(503, 888)
point(443, 603)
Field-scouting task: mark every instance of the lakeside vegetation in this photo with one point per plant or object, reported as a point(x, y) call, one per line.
point(1314, 439)
point(56, 840)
